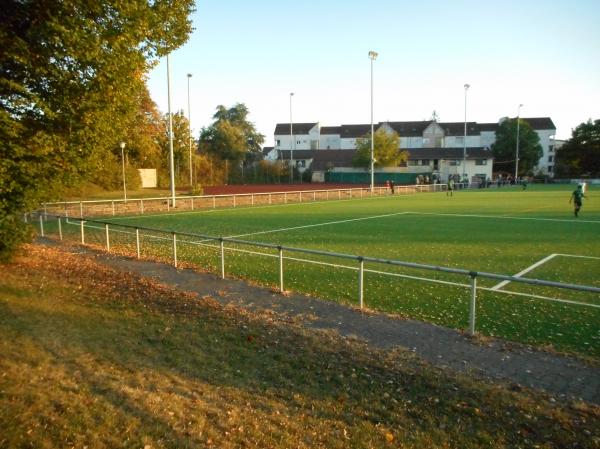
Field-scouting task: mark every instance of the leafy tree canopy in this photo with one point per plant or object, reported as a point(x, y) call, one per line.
point(71, 76)
point(386, 149)
point(505, 147)
point(232, 136)
point(580, 155)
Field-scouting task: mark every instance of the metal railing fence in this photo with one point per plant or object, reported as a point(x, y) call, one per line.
point(217, 254)
point(95, 208)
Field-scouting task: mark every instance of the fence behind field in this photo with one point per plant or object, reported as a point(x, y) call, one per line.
point(215, 254)
point(96, 208)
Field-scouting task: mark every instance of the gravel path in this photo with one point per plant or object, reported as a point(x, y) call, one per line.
point(558, 375)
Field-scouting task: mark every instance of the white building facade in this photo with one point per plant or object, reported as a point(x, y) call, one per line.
point(420, 135)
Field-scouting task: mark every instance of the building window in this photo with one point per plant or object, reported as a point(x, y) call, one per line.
point(480, 161)
point(297, 142)
point(413, 163)
point(550, 168)
point(301, 163)
point(459, 139)
point(550, 158)
point(550, 148)
point(424, 162)
point(454, 162)
point(277, 142)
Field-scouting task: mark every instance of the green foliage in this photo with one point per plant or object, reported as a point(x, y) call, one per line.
point(232, 137)
point(386, 148)
point(580, 155)
point(505, 147)
point(71, 78)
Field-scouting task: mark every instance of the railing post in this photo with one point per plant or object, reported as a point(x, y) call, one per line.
point(82, 232)
point(113, 207)
point(314, 196)
point(222, 258)
point(252, 201)
point(45, 213)
point(168, 204)
point(300, 196)
point(141, 206)
point(234, 197)
point(361, 278)
point(60, 236)
point(326, 194)
point(107, 238)
point(281, 289)
point(175, 250)
point(472, 304)
point(41, 225)
point(81, 209)
point(192, 203)
point(137, 241)
point(214, 202)
point(285, 198)
point(339, 194)
point(25, 218)
point(270, 199)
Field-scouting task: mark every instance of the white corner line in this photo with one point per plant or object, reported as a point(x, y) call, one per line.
point(526, 270)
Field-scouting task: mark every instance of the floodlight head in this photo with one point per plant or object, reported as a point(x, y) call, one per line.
point(467, 86)
point(373, 55)
point(189, 75)
point(122, 145)
point(291, 94)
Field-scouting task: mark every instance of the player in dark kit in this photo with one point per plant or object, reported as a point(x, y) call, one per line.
point(577, 197)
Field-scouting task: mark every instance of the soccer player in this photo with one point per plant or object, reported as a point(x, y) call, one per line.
point(450, 186)
point(577, 197)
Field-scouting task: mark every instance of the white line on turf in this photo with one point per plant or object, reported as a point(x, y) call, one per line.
point(505, 217)
point(315, 225)
point(580, 257)
point(525, 271)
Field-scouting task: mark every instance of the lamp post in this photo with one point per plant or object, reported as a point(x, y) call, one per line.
point(517, 150)
point(122, 145)
point(171, 159)
point(465, 136)
point(189, 75)
point(372, 55)
point(291, 142)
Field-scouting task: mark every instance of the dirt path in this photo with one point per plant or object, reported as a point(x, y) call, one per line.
point(560, 376)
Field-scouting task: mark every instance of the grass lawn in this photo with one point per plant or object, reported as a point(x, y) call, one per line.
point(502, 231)
point(92, 357)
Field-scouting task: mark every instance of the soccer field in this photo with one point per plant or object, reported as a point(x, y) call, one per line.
point(507, 231)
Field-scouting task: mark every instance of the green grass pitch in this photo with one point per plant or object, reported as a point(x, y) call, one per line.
point(503, 231)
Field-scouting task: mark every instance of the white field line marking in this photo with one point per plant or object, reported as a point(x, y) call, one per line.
point(526, 270)
point(316, 224)
point(581, 257)
point(505, 217)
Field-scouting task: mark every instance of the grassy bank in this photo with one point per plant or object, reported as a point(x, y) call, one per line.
point(98, 358)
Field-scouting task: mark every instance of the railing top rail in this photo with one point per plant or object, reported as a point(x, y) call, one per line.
point(459, 271)
point(223, 195)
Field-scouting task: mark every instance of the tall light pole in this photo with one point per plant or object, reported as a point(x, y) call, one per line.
point(291, 142)
point(171, 159)
point(122, 145)
point(517, 151)
point(465, 136)
point(189, 75)
point(372, 55)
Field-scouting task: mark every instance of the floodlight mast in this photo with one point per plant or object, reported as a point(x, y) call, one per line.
point(291, 142)
point(372, 55)
point(465, 135)
point(517, 149)
point(171, 159)
point(122, 145)
point(189, 75)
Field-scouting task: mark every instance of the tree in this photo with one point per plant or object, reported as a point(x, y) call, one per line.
point(181, 148)
point(70, 75)
point(386, 149)
point(580, 155)
point(232, 137)
point(505, 147)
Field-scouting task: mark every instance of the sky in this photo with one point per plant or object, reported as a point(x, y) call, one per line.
point(544, 54)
